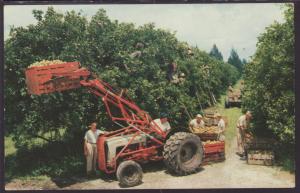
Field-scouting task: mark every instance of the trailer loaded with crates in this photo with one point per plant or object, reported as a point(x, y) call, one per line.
point(140, 139)
point(209, 135)
point(233, 99)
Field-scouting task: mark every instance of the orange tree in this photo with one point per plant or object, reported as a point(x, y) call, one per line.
point(105, 47)
point(269, 84)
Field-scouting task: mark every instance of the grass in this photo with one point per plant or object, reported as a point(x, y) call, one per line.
point(288, 164)
point(41, 162)
point(231, 116)
point(38, 178)
point(9, 146)
point(14, 165)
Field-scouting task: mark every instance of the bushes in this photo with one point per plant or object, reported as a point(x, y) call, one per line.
point(44, 160)
point(105, 47)
point(269, 83)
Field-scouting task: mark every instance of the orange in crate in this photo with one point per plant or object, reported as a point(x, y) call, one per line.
point(42, 79)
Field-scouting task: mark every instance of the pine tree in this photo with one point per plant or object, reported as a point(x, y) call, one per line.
point(214, 52)
point(235, 60)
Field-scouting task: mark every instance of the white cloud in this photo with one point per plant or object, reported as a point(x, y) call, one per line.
point(227, 25)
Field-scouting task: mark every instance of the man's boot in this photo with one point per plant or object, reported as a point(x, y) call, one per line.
point(243, 157)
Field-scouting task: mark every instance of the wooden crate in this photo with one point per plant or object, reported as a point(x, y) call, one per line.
point(38, 78)
point(213, 158)
point(209, 121)
point(212, 121)
point(214, 152)
point(266, 162)
point(257, 143)
point(260, 157)
point(208, 136)
point(218, 147)
point(205, 135)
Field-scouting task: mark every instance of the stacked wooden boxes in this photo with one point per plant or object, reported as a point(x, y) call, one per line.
point(259, 151)
point(260, 157)
point(214, 151)
point(210, 119)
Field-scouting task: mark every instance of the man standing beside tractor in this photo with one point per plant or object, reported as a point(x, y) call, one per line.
point(241, 129)
point(90, 148)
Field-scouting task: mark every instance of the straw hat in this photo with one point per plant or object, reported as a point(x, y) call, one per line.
point(198, 116)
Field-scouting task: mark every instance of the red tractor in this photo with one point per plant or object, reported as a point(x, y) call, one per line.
point(140, 139)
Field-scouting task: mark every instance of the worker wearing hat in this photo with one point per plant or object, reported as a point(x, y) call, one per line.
point(241, 129)
point(196, 123)
point(221, 127)
point(90, 148)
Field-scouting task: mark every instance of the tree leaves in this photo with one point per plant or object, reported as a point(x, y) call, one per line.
point(104, 47)
point(269, 81)
point(235, 60)
point(216, 53)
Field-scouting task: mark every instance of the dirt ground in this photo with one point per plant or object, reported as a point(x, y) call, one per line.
point(232, 173)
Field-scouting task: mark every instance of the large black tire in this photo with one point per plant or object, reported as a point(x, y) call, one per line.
point(183, 153)
point(129, 173)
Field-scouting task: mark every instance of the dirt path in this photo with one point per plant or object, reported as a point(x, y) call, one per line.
point(232, 173)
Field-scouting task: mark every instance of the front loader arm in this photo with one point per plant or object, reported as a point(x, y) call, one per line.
point(60, 77)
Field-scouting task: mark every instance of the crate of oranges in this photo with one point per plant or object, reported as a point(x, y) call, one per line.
point(207, 133)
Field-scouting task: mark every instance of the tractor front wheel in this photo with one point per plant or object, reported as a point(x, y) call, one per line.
point(129, 173)
point(183, 153)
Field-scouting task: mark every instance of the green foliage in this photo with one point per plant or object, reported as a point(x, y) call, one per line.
point(235, 60)
point(269, 83)
point(52, 160)
point(214, 52)
point(105, 47)
point(244, 62)
point(9, 146)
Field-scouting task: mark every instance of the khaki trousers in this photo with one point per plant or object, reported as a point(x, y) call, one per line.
point(240, 141)
point(91, 158)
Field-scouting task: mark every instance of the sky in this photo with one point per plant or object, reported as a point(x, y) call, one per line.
point(226, 25)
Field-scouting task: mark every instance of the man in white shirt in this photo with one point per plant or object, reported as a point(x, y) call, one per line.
point(221, 127)
point(90, 148)
point(241, 129)
point(196, 123)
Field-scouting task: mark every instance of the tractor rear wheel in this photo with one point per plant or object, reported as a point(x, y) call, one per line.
point(183, 153)
point(129, 173)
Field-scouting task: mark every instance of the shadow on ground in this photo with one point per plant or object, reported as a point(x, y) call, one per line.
point(60, 167)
